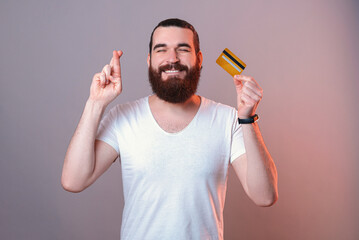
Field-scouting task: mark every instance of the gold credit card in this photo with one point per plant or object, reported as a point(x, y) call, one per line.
point(231, 63)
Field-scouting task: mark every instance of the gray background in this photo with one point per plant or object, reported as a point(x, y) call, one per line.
point(304, 55)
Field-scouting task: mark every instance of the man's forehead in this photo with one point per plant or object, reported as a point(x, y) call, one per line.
point(172, 35)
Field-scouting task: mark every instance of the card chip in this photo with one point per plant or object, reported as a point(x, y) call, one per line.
point(230, 62)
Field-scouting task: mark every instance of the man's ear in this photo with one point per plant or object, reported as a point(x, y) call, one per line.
point(148, 60)
point(200, 59)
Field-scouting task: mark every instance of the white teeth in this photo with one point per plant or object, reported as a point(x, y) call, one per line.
point(172, 71)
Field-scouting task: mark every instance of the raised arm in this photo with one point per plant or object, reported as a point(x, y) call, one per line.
point(255, 169)
point(86, 158)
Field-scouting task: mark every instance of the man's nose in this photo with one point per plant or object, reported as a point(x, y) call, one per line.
point(172, 56)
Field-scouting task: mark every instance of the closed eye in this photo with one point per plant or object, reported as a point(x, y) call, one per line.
point(159, 47)
point(183, 50)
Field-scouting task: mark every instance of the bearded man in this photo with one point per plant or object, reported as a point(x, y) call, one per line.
point(174, 146)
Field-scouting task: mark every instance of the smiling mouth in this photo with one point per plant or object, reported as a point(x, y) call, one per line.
point(173, 68)
point(172, 71)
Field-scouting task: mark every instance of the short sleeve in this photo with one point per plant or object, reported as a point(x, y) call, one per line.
point(237, 145)
point(107, 130)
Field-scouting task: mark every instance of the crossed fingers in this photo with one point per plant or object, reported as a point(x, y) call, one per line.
point(111, 72)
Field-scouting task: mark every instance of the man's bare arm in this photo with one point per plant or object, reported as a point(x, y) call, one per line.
point(86, 158)
point(255, 169)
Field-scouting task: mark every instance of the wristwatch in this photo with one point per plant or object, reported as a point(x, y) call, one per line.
point(252, 119)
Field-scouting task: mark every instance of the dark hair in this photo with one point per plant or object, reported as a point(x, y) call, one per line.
point(175, 22)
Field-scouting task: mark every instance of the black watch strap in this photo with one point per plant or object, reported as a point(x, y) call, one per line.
point(252, 119)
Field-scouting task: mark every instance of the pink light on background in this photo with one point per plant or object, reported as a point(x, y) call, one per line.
point(308, 53)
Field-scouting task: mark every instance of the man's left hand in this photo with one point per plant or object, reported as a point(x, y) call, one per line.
point(249, 94)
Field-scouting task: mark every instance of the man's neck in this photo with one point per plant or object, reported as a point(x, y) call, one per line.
point(174, 117)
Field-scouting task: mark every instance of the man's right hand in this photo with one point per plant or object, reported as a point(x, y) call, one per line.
point(107, 85)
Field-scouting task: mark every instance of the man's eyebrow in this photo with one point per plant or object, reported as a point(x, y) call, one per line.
point(159, 46)
point(184, 45)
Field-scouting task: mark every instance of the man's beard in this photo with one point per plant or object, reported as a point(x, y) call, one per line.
point(174, 89)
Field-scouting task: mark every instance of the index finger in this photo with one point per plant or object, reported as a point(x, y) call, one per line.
point(245, 78)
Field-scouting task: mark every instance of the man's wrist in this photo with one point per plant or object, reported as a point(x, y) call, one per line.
point(96, 106)
point(249, 120)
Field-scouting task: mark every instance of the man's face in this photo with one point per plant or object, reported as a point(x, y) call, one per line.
point(174, 66)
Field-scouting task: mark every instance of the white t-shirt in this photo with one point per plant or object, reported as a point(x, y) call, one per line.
point(174, 183)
